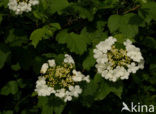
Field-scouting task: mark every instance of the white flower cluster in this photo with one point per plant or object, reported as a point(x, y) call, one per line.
point(65, 93)
point(114, 64)
point(20, 6)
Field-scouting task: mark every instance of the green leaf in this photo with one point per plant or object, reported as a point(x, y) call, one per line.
point(59, 109)
point(43, 33)
point(100, 25)
point(148, 10)
point(149, 42)
point(109, 3)
point(98, 89)
point(124, 24)
point(37, 63)
point(106, 87)
point(77, 43)
point(83, 12)
point(50, 105)
point(62, 36)
point(16, 39)
point(144, 15)
point(114, 23)
point(121, 38)
point(88, 94)
point(7, 112)
point(43, 104)
point(16, 67)
point(91, 88)
point(141, 1)
point(57, 6)
point(44, 4)
point(89, 61)
point(10, 88)
point(52, 27)
point(98, 36)
point(39, 16)
point(37, 35)
point(153, 69)
point(3, 58)
point(4, 3)
point(126, 28)
point(59, 58)
point(21, 83)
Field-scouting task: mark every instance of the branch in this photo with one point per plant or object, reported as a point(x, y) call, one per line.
point(133, 9)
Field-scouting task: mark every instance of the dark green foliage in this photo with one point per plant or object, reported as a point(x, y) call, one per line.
point(56, 27)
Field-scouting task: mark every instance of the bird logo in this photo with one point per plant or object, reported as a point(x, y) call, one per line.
point(125, 107)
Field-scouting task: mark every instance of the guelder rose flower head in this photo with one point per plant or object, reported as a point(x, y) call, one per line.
point(20, 6)
point(62, 80)
point(114, 63)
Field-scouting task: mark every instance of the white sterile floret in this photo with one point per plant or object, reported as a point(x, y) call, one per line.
point(78, 77)
point(44, 68)
point(33, 2)
point(113, 63)
point(104, 46)
point(68, 59)
point(100, 57)
point(132, 68)
point(141, 64)
point(87, 78)
point(68, 96)
point(127, 42)
point(60, 93)
point(124, 73)
point(21, 6)
point(52, 63)
point(75, 91)
point(134, 52)
point(42, 89)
